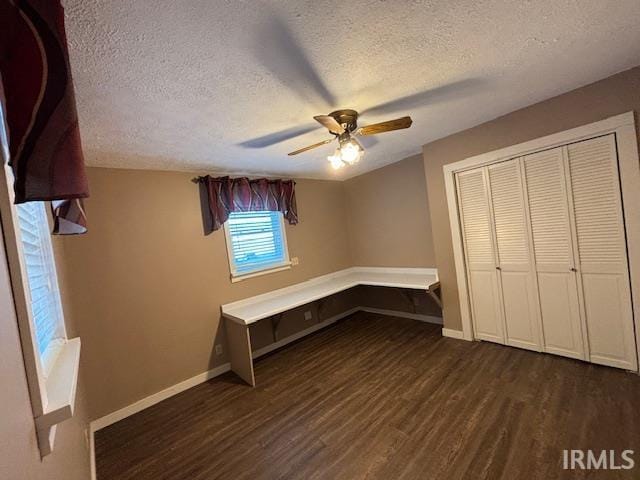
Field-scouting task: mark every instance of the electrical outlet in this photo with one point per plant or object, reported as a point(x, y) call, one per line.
point(308, 315)
point(218, 349)
point(295, 261)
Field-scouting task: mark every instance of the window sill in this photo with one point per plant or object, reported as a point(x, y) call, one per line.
point(278, 268)
point(61, 386)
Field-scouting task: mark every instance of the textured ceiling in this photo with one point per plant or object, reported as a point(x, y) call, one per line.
point(193, 85)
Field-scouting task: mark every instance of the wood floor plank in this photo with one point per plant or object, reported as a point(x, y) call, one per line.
point(374, 397)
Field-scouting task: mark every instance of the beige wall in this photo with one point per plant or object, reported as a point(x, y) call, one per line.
point(147, 284)
point(611, 96)
point(388, 215)
point(19, 454)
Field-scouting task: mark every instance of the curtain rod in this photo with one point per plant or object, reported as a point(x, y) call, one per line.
point(196, 180)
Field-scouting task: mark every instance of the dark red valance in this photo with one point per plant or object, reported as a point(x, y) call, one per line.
point(225, 195)
point(44, 140)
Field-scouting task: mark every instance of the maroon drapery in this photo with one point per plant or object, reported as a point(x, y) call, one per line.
point(225, 195)
point(44, 140)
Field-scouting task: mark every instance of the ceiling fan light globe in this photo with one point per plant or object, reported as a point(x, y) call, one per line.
point(349, 153)
point(335, 161)
point(337, 164)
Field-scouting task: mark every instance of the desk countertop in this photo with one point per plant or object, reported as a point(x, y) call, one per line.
point(252, 309)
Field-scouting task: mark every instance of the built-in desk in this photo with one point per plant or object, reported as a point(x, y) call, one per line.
point(241, 314)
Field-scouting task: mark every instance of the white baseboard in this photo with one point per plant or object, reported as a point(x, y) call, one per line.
point(447, 332)
point(413, 316)
point(157, 397)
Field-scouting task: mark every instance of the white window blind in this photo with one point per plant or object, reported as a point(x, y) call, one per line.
point(256, 241)
point(41, 274)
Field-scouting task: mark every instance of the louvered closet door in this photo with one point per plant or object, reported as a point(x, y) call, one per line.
point(479, 254)
point(553, 253)
point(516, 273)
point(602, 253)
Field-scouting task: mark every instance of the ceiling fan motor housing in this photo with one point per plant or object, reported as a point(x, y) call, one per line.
point(347, 118)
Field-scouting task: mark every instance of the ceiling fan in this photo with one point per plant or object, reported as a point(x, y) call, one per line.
point(343, 125)
point(280, 52)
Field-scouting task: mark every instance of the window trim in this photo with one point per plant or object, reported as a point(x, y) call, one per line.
point(52, 387)
point(277, 267)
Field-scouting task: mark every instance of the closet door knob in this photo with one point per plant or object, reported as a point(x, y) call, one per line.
point(573, 269)
point(498, 268)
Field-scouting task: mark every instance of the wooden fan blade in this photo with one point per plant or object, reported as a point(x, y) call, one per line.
point(330, 123)
point(315, 145)
point(397, 124)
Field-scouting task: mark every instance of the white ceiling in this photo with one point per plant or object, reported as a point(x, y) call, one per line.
point(183, 84)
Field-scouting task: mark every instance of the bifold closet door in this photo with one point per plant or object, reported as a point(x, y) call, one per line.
point(546, 190)
point(477, 234)
point(516, 275)
point(602, 254)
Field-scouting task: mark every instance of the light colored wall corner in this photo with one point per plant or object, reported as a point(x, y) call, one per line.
point(388, 219)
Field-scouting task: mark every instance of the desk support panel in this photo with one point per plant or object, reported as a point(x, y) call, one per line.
point(275, 323)
point(435, 293)
point(239, 341)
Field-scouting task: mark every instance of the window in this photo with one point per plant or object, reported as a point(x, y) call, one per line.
point(44, 297)
point(51, 360)
point(256, 243)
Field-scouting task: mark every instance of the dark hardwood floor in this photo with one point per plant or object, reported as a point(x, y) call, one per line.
point(382, 398)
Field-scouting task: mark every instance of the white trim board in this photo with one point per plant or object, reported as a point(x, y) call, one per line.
point(448, 332)
point(584, 132)
point(151, 400)
point(623, 126)
point(92, 454)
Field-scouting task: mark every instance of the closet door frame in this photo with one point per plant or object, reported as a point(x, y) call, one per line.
point(624, 128)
